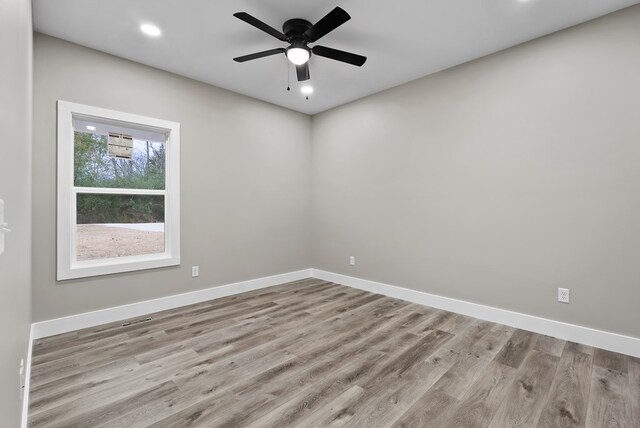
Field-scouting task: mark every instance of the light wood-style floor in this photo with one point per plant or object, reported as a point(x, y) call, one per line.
point(317, 354)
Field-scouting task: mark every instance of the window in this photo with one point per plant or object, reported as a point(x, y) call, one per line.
point(118, 192)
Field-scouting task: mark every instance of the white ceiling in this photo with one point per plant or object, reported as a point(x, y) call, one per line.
point(403, 40)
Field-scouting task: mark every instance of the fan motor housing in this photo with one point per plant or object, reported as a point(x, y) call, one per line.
point(295, 27)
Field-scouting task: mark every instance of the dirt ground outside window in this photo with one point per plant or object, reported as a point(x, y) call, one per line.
point(97, 241)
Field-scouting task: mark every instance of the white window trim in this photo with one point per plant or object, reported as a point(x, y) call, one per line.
point(67, 266)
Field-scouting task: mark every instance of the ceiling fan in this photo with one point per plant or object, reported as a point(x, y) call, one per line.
point(299, 33)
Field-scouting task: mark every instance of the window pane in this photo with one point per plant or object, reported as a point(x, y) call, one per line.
point(102, 160)
point(119, 225)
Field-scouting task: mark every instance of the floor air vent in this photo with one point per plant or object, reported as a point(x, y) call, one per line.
point(138, 321)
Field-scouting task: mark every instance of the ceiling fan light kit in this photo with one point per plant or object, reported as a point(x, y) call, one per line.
point(298, 55)
point(299, 33)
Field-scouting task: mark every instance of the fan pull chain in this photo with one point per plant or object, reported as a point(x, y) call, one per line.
point(288, 78)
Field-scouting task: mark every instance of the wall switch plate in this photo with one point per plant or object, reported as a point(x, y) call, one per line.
point(195, 271)
point(563, 295)
point(352, 260)
point(22, 378)
point(3, 226)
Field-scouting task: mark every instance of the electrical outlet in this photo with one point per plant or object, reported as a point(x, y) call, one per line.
point(563, 295)
point(195, 271)
point(352, 260)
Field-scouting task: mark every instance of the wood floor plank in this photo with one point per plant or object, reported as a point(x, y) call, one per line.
point(610, 360)
point(516, 349)
point(293, 412)
point(263, 395)
point(217, 373)
point(183, 314)
point(72, 350)
point(52, 370)
point(488, 346)
point(444, 321)
point(216, 317)
point(334, 412)
point(457, 380)
point(387, 394)
point(96, 374)
point(432, 409)
point(125, 348)
point(608, 403)
point(328, 303)
point(405, 360)
point(115, 331)
point(569, 395)
point(344, 350)
point(634, 391)
point(340, 331)
point(253, 396)
point(103, 414)
point(387, 376)
point(248, 339)
point(550, 345)
point(110, 385)
point(480, 403)
point(43, 345)
point(528, 393)
point(578, 347)
point(145, 414)
point(339, 350)
point(384, 407)
point(169, 317)
point(466, 339)
point(210, 317)
point(316, 353)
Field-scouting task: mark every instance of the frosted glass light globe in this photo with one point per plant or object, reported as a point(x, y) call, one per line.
point(298, 56)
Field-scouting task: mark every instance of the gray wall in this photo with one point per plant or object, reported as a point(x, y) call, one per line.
point(245, 179)
point(497, 181)
point(15, 188)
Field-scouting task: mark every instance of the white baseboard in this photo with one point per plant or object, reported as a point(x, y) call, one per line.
point(575, 333)
point(27, 382)
point(90, 319)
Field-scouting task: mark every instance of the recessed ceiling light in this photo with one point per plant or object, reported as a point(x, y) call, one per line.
point(307, 90)
point(91, 128)
point(150, 30)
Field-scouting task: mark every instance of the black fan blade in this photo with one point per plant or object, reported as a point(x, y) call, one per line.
point(343, 56)
point(260, 25)
point(303, 72)
point(330, 22)
point(259, 55)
